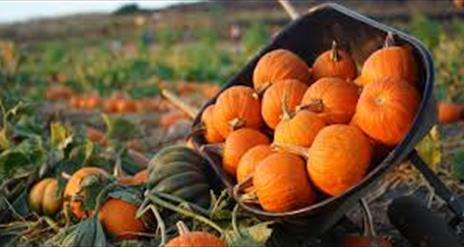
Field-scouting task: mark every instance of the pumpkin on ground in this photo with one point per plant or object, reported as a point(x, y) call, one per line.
point(281, 183)
point(237, 107)
point(211, 134)
point(187, 238)
point(91, 101)
point(449, 112)
point(58, 93)
point(386, 109)
point(237, 144)
point(118, 217)
point(333, 99)
point(334, 63)
point(125, 106)
point(44, 198)
point(250, 160)
point(73, 189)
point(272, 102)
point(172, 118)
point(279, 65)
point(181, 172)
point(299, 128)
point(339, 158)
point(95, 135)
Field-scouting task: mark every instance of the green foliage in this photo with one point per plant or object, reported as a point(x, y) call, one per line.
point(119, 129)
point(127, 9)
point(256, 37)
point(426, 30)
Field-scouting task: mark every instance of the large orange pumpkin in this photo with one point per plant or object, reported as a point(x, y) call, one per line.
point(334, 63)
point(449, 112)
point(281, 183)
point(73, 188)
point(187, 238)
point(290, 91)
point(391, 61)
point(118, 218)
point(386, 109)
point(339, 158)
point(211, 134)
point(238, 143)
point(237, 107)
point(279, 65)
point(250, 160)
point(299, 129)
point(333, 99)
point(44, 198)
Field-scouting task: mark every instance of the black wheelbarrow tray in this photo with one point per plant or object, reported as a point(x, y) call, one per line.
point(308, 36)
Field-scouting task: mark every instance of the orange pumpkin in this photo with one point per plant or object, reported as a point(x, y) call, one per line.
point(281, 183)
point(339, 158)
point(58, 93)
point(118, 218)
point(279, 65)
point(73, 189)
point(139, 178)
point(91, 101)
point(386, 109)
point(459, 4)
point(390, 61)
point(211, 134)
point(44, 198)
point(298, 129)
point(250, 160)
point(333, 99)
point(238, 143)
point(95, 135)
point(172, 118)
point(194, 239)
point(237, 107)
point(210, 90)
point(76, 101)
point(109, 106)
point(126, 106)
point(449, 112)
point(273, 98)
point(334, 63)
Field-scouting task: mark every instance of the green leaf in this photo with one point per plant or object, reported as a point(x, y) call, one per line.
point(458, 165)
point(4, 140)
point(11, 160)
point(87, 233)
point(119, 129)
point(430, 149)
point(60, 136)
point(91, 186)
point(256, 235)
point(130, 195)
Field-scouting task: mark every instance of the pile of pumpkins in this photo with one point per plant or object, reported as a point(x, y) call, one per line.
point(301, 131)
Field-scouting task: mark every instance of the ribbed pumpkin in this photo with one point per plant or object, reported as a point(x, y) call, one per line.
point(386, 109)
point(390, 61)
point(237, 107)
point(279, 65)
point(271, 106)
point(73, 188)
point(333, 99)
point(281, 183)
point(334, 63)
point(339, 158)
point(298, 129)
point(44, 198)
point(250, 160)
point(118, 217)
point(187, 238)
point(449, 112)
point(181, 172)
point(238, 143)
point(211, 134)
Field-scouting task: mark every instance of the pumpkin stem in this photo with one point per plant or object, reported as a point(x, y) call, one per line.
point(389, 40)
point(234, 220)
point(237, 123)
point(316, 106)
point(287, 113)
point(182, 228)
point(368, 223)
point(334, 52)
point(298, 150)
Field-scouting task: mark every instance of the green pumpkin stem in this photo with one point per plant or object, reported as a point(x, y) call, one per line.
point(298, 150)
point(316, 106)
point(182, 228)
point(234, 220)
point(368, 223)
point(334, 52)
point(389, 40)
point(287, 113)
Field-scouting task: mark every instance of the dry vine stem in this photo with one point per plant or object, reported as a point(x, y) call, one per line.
point(179, 103)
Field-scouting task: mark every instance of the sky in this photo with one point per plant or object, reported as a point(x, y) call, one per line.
point(21, 10)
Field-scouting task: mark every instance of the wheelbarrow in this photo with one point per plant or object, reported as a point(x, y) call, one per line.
point(308, 36)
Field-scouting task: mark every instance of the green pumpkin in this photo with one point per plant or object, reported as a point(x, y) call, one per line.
point(181, 172)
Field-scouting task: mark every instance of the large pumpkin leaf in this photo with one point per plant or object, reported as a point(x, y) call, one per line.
point(119, 129)
point(87, 233)
point(10, 160)
point(60, 136)
point(128, 194)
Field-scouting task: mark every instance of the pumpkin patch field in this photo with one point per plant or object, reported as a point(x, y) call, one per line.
point(124, 129)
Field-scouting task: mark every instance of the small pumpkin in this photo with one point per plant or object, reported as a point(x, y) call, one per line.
point(281, 183)
point(91, 101)
point(125, 106)
point(279, 65)
point(211, 134)
point(181, 172)
point(172, 118)
point(333, 99)
point(271, 107)
point(449, 112)
point(139, 178)
point(109, 106)
point(237, 107)
point(44, 198)
point(95, 135)
point(390, 61)
point(73, 189)
point(118, 218)
point(251, 159)
point(334, 63)
point(76, 101)
point(194, 239)
point(237, 143)
point(386, 109)
point(58, 93)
